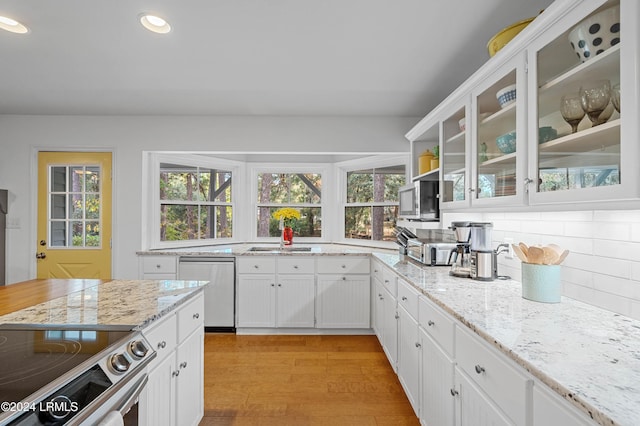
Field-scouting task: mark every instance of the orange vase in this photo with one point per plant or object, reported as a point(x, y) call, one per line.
point(287, 235)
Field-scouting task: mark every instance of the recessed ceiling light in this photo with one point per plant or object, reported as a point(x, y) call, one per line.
point(155, 23)
point(12, 25)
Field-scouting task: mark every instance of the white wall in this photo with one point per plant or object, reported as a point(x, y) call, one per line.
point(603, 268)
point(127, 137)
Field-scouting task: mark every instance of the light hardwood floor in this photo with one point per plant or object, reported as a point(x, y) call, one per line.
point(301, 380)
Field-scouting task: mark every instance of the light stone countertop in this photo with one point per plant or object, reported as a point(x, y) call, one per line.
point(588, 355)
point(243, 249)
point(120, 302)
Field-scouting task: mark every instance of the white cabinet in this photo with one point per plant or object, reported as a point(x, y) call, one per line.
point(474, 407)
point(377, 310)
point(437, 378)
point(390, 318)
point(174, 394)
point(503, 383)
point(343, 298)
point(409, 356)
point(276, 292)
point(550, 163)
point(158, 267)
point(437, 405)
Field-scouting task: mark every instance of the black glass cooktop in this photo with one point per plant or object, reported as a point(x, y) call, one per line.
point(33, 357)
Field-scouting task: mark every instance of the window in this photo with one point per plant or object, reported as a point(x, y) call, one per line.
point(371, 207)
point(195, 202)
point(301, 191)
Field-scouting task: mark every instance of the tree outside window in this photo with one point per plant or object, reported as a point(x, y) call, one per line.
point(371, 209)
point(301, 191)
point(195, 203)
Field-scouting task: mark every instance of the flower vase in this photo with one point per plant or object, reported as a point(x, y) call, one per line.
point(287, 235)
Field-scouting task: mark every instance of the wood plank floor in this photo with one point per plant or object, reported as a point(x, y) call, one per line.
point(301, 380)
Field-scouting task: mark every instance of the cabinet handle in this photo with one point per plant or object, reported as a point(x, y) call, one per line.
point(295, 266)
point(162, 345)
point(183, 364)
point(418, 345)
point(279, 285)
point(527, 182)
point(430, 323)
point(397, 316)
point(453, 392)
point(404, 298)
point(158, 266)
point(256, 266)
point(479, 369)
point(472, 190)
point(196, 315)
point(273, 285)
point(343, 266)
point(344, 278)
point(386, 281)
point(176, 373)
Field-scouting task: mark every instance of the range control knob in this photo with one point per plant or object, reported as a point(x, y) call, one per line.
point(138, 349)
point(119, 363)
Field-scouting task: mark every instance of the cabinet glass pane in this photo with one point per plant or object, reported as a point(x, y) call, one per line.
point(497, 139)
point(453, 158)
point(578, 104)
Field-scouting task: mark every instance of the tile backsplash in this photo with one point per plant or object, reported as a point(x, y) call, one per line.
point(603, 268)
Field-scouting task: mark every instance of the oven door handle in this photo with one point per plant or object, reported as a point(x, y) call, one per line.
point(130, 397)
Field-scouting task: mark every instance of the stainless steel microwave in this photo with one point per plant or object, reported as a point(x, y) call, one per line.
point(420, 201)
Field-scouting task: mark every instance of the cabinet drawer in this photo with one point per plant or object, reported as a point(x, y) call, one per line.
point(190, 317)
point(296, 265)
point(343, 265)
point(408, 298)
point(257, 265)
point(437, 324)
point(509, 388)
point(163, 336)
point(390, 281)
point(159, 264)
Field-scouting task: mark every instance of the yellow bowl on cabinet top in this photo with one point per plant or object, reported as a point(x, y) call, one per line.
point(504, 36)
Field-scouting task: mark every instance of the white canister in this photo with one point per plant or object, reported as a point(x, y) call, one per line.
point(541, 283)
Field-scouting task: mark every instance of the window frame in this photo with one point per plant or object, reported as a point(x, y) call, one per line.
point(254, 169)
point(375, 162)
point(151, 234)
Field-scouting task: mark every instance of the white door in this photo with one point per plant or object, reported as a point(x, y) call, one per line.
point(438, 404)
point(190, 380)
point(474, 407)
point(409, 357)
point(296, 301)
point(344, 301)
point(390, 328)
point(256, 300)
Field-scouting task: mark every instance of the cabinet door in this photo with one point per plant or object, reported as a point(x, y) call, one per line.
point(156, 404)
point(499, 140)
point(597, 159)
point(390, 328)
point(378, 309)
point(343, 301)
point(295, 301)
point(455, 183)
point(438, 405)
point(474, 407)
point(190, 380)
point(409, 357)
point(256, 300)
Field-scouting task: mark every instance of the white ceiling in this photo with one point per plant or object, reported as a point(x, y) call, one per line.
point(246, 57)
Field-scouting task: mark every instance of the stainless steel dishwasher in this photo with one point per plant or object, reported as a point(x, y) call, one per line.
point(219, 295)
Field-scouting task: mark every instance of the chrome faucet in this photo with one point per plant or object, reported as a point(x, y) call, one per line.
point(281, 228)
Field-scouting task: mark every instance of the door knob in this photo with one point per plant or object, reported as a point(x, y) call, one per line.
point(40, 255)
point(43, 243)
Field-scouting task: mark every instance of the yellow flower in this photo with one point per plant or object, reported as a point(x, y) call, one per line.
point(287, 214)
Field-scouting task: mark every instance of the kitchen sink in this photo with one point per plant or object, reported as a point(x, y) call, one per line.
point(278, 249)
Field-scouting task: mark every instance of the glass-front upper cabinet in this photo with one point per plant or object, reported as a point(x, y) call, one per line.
point(454, 188)
point(578, 78)
point(499, 142)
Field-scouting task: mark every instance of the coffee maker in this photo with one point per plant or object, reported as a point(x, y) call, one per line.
point(459, 256)
point(483, 264)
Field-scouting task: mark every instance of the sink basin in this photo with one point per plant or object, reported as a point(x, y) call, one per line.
point(278, 249)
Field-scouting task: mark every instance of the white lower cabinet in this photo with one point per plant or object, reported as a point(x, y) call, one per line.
point(474, 407)
point(390, 327)
point(378, 309)
point(158, 267)
point(174, 394)
point(437, 405)
point(275, 292)
point(550, 409)
point(409, 357)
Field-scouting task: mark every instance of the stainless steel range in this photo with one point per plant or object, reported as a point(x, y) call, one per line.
point(69, 375)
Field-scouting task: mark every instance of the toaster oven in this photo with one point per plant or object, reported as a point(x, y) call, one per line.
point(430, 253)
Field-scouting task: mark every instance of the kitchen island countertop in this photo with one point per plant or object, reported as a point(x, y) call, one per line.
point(96, 302)
point(588, 355)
